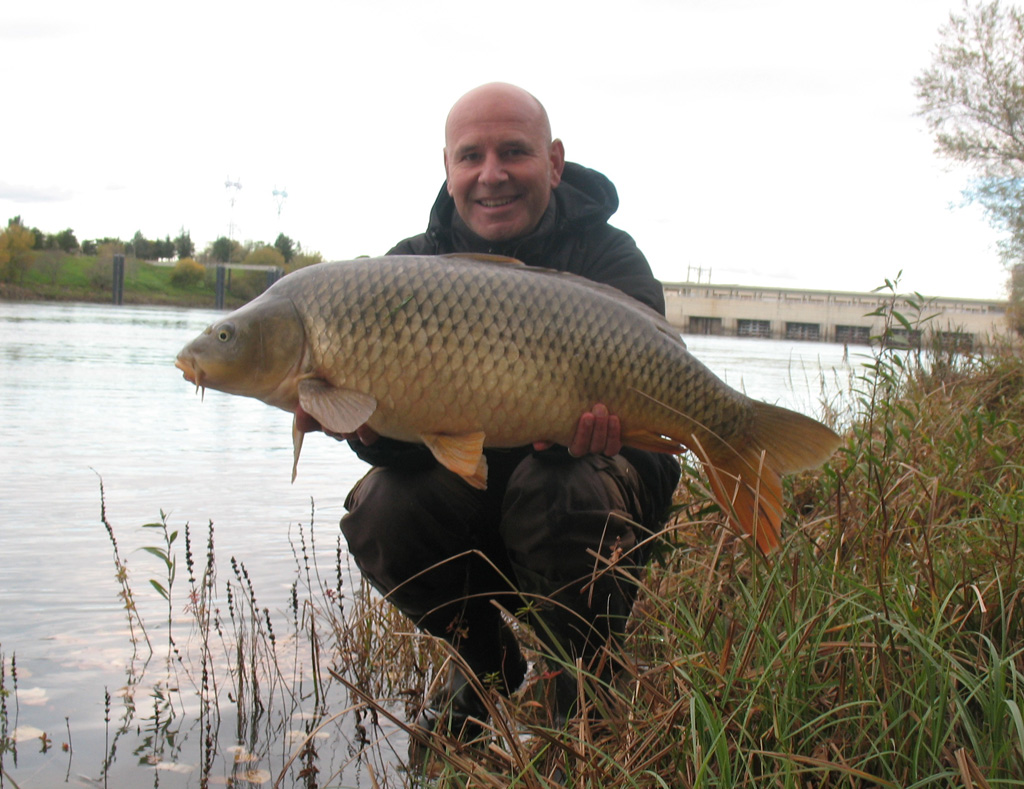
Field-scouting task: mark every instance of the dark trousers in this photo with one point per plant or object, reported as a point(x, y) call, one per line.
point(441, 551)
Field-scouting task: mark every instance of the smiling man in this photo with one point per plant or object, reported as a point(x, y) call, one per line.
point(500, 161)
point(444, 552)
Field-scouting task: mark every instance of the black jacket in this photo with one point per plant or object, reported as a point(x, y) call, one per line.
point(573, 235)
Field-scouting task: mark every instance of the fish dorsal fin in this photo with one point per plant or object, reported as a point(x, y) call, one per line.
point(337, 410)
point(483, 257)
point(462, 454)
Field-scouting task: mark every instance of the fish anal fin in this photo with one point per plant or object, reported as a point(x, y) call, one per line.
point(652, 442)
point(462, 454)
point(337, 410)
point(747, 478)
point(750, 494)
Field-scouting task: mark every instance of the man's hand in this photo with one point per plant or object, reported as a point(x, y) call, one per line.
point(597, 432)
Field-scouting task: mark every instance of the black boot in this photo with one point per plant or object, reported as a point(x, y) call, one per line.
point(457, 710)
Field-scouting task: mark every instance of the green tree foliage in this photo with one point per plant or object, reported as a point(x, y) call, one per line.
point(66, 241)
point(183, 245)
point(303, 259)
point(285, 246)
point(265, 256)
point(972, 97)
point(224, 250)
point(16, 243)
point(141, 247)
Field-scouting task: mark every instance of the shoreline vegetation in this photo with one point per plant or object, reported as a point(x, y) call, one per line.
point(89, 278)
point(881, 646)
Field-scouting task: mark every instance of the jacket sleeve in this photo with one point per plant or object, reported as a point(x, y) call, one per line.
point(393, 454)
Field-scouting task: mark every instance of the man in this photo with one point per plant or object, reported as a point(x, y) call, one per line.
point(444, 552)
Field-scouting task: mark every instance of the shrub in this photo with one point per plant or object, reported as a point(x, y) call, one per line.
point(188, 273)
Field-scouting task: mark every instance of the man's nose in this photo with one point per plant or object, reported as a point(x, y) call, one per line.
point(493, 171)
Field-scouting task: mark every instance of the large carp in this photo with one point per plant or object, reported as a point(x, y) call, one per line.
point(463, 352)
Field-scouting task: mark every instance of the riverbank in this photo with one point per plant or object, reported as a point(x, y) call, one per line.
point(89, 279)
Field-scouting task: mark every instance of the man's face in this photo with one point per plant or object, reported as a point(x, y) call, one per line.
point(501, 165)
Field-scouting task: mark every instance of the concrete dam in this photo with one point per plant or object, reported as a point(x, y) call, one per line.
point(828, 316)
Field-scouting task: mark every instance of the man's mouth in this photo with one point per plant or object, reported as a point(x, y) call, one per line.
point(496, 202)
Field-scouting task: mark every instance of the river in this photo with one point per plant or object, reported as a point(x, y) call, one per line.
point(89, 394)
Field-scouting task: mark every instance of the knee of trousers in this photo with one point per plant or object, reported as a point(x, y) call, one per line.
point(558, 513)
point(408, 531)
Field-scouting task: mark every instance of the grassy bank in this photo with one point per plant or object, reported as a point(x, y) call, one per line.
point(883, 645)
point(57, 277)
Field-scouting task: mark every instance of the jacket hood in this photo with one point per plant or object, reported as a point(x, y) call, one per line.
point(583, 197)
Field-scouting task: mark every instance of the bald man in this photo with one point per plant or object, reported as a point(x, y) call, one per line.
point(443, 552)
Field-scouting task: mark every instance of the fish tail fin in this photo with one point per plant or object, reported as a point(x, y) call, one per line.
point(747, 481)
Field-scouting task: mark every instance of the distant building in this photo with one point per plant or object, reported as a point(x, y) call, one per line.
point(826, 316)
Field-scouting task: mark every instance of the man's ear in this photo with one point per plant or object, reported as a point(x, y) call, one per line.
point(447, 180)
point(556, 155)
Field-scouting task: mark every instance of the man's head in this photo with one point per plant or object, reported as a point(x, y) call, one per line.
point(500, 161)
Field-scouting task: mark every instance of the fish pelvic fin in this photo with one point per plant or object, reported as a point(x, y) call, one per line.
point(747, 481)
point(297, 436)
point(462, 454)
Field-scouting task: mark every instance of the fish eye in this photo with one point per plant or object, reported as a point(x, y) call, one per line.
point(225, 332)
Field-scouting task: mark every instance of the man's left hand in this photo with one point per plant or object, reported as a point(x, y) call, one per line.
point(597, 432)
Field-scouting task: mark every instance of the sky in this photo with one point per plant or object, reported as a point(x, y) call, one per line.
point(755, 142)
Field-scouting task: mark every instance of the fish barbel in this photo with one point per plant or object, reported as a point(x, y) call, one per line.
point(462, 352)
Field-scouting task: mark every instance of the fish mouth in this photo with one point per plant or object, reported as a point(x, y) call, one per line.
point(190, 372)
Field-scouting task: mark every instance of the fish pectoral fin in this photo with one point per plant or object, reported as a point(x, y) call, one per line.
point(652, 442)
point(337, 410)
point(462, 454)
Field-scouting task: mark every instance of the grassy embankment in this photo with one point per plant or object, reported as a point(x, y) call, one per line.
point(89, 278)
point(882, 646)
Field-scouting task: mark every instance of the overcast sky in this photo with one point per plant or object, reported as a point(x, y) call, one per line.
point(769, 142)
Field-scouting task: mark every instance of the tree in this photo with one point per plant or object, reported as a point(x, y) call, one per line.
point(265, 256)
point(183, 245)
point(223, 249)
point(163, 250)
point(141, 247)
point(303, 259)
point(1015, 310)
point(285, 246)
point(972, 97)
point(66, 241)
point(16, 244)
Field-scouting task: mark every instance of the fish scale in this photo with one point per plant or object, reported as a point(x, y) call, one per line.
point(461, 352)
